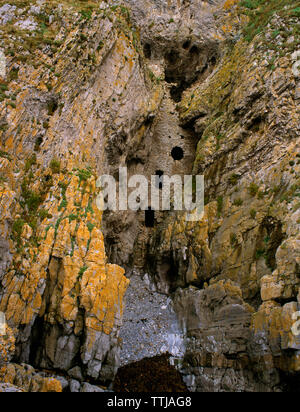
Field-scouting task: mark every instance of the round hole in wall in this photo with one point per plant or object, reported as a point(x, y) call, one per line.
point(186, 45)
point(177, 153)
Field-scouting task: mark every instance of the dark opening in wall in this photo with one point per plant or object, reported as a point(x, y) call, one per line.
point(177, 91)
point(36, 340)
point(159, 184)
point(149, 121)
point(52, 106)
point(147, 51)
point(38, 143)
point(172, 57)
point(194, 50)
point(186, 45)
point(177, 153)
point(149, 218)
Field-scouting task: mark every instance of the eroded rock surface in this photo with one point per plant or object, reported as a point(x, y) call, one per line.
point(150, 325)
point(89, 87)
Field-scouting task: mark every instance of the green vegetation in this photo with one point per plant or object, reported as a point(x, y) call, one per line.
point(3, 126)
point(5, 155)
point(20, 43)
point(44, 214)
point(73, 217)
point(82, 271)
point(233, 180)
point(89, 209)
point(30, 162)
point(84, 174)
point(291, 193)
point(3, 179)
point(64, 202)
point(31, 200)
point(11, 104)
point(253, 213)
point(153, 77)
point(17, 228)
point(238, 202)
point(90, 227)
point(260, 253)
point(55, 166)
point(253, 189)
point(63, 205)
point(233, 240)
point(220, 203)
point(219, 139)
point(3, 89)
point(261, 12)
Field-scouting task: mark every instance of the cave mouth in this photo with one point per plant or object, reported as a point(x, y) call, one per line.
point(147, 51)
point(150, 375)
point(159, 182)
point(149, 218)
point(177, 153)
point(187, 44)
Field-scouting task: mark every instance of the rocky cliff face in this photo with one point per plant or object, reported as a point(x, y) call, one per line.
point(87, 87)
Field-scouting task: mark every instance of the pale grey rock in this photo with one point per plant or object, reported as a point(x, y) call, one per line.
point(64, 382)
point(2, 64)
point(87, 388)
point(7, 388)
point(76, 373)
point(34, 10)
point(74, 386)
point(150, 325)
point(297, 93)
point(7, 13)
point(27, 24)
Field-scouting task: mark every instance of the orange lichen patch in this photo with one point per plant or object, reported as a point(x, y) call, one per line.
point(59, 269)
point(51, 385)
point(230, 3)
point(277, 322)
point(80, 245)
point(7, 347)
point(227, 28)
point(102, 295)
point(26, 378)
point(96, 253)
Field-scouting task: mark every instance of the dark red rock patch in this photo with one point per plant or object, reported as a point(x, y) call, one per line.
point(149, 375)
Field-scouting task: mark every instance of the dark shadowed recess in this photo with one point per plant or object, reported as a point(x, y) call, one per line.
point(149, 218)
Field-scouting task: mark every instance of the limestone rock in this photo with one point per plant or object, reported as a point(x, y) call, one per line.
point(75, 373)
point(87, 388)
point(7, 347)
point(7, 388)
point(27, 379)
point(74, 386)
point(106, 85)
